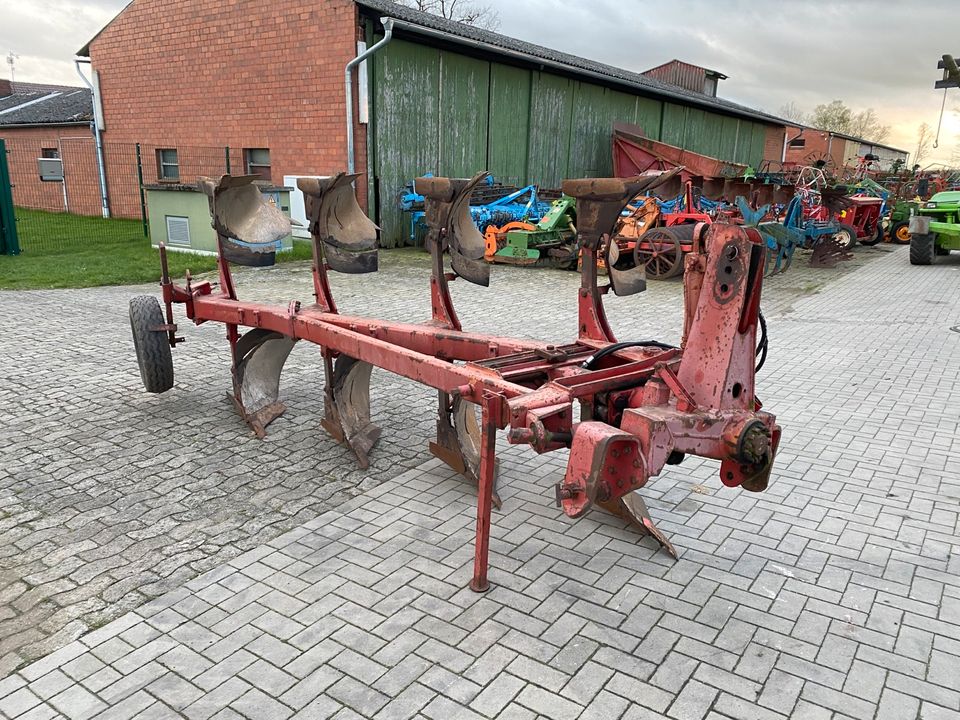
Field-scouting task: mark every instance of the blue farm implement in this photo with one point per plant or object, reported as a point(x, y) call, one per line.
point(796, 230)
point(490, 204)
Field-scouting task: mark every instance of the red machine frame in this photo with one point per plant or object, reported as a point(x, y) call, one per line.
point(641, 406)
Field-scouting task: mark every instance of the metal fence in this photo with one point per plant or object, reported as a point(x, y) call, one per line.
point(58, 195)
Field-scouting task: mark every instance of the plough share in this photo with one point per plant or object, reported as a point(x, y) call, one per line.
point(641, 405)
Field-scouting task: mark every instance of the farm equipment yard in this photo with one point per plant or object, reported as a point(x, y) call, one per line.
point(476, 379)
point(834, 591)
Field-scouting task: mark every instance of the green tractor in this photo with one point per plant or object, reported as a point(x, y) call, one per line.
point(898, 231)
point(936, 229)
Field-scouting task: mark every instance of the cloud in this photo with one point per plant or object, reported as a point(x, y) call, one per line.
point(868, 53)
point(47, 33)
point(862, 52)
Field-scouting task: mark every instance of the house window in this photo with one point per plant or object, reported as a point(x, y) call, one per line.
point(168, 167)
point(798, 143)
point(50, 153)
point(710, 86)
point(258, 162)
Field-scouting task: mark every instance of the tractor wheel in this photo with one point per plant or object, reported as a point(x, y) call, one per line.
point(877, 236)
point(152, 346)
point(900, 232)
point(658, 251)
point(846, 236)
point(922, 249)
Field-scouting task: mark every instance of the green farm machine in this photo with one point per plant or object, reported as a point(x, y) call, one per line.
point(936, 229)
point(551, 242)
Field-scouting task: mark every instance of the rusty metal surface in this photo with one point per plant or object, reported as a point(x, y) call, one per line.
point(249, 227)
point(639, 406)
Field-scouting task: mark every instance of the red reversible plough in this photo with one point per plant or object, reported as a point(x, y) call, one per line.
point(641, 405)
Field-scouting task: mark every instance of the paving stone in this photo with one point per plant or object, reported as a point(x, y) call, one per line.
point(457, 688)
point(497, 695)
point(18, 702)
point(217, 699)
point(305, 692)
point(548, 704)
point(693, 702)
point(407, 704)
point(320, 709)
point(255, 704)
point(287, 596)
point(174, 691)
point(357, 696)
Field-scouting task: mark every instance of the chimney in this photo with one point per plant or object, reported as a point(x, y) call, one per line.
point(6, 88)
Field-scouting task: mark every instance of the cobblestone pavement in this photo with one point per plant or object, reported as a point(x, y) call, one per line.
point(836, 592)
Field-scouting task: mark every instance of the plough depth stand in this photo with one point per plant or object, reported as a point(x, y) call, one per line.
point(641, 405)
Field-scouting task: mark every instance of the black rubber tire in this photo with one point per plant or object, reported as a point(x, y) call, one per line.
point(877, 236)
point(922, 249)
point(898, 230)
point(152, 346)
point(850, 232)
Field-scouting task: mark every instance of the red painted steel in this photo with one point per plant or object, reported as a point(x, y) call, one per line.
point(640, 407)
point(636, 154)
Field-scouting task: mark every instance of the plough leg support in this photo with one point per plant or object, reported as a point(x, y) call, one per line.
point(488, 449)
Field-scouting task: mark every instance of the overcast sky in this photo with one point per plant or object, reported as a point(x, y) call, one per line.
point(868, 53)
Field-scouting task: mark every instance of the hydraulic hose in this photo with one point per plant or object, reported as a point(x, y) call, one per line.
point(616, 347)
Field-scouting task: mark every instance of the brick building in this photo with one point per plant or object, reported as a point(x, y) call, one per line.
point(51, 122)
point(266, 80)
point(806, 146)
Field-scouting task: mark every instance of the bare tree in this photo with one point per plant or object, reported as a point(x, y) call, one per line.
point(865, 124)
point(791, 111)
point(471, 13)
point(924, 137)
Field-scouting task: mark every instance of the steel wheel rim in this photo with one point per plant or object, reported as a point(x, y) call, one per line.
point(658, 256)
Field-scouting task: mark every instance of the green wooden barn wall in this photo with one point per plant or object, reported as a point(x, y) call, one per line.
point(443, 112)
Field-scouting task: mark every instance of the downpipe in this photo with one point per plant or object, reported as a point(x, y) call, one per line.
point(104, 202)
point(348, 83)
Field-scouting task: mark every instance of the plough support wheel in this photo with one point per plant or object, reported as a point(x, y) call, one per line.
point(152, 346)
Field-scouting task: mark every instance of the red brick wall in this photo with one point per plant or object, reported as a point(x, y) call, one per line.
point(773, 144)
point(78, 153)
point(242, 73)
point(816, 144)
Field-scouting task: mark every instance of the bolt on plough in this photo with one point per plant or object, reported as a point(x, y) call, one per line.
point(641, 404)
